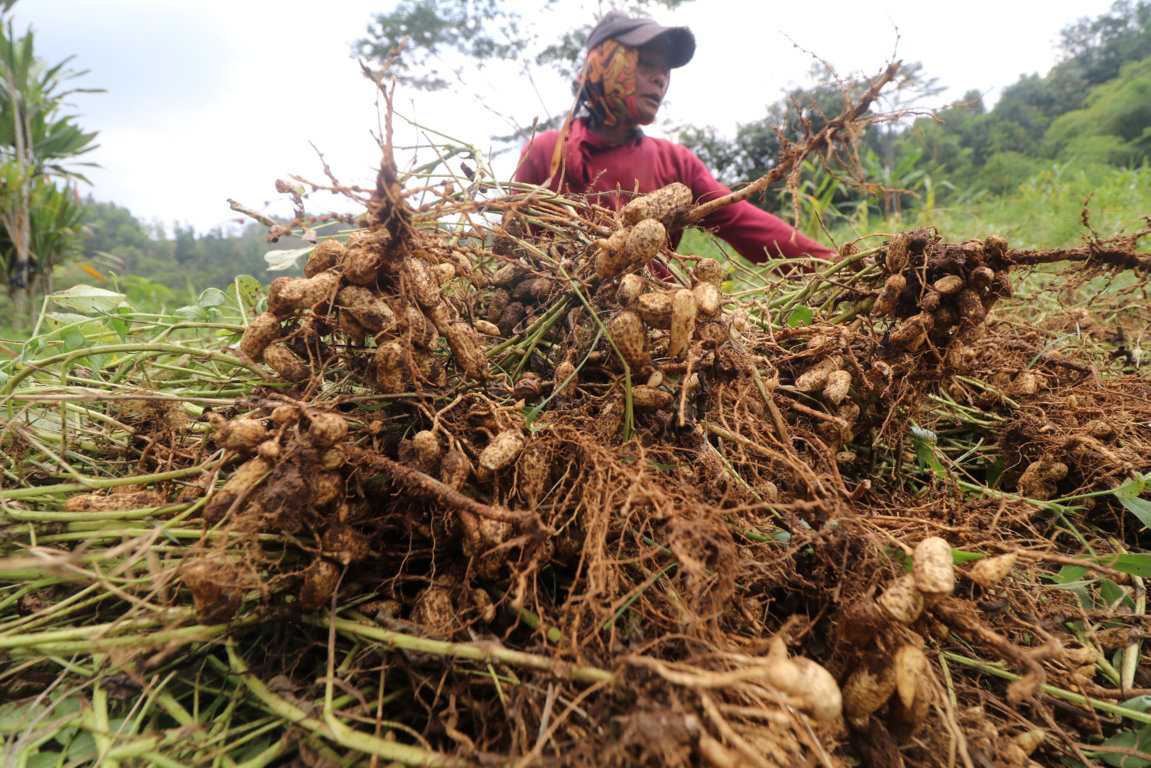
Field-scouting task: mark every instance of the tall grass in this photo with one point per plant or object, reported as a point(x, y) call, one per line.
point(1043, 211)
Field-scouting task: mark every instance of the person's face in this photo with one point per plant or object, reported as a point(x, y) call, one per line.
point(652, 78)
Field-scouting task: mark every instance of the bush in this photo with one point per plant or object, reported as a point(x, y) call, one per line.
point(1005, 171)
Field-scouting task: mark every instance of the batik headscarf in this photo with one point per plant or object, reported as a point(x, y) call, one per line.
point(608, 86)
point(608, 90)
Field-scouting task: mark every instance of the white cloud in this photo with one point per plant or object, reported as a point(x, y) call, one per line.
point(216, 99)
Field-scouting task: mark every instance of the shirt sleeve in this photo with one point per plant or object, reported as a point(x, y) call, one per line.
point(752, 231)
point(535, 160)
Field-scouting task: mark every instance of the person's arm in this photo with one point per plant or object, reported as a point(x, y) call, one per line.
point(535, 160)
point(754, 232)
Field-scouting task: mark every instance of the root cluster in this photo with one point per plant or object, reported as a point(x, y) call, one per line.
point(535, 486)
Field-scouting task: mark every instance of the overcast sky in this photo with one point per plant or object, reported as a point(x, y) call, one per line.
point(217, 98)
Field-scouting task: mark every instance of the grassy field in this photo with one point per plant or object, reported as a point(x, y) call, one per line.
point(1045, 211)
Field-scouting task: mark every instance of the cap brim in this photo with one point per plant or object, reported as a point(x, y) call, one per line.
point(680, 41)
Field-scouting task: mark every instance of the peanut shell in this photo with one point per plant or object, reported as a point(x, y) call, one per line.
point(262, 331)
point(660, 204)
point(502, 450)
point(707, 298)
point(655, 308)
point(902, 600)
point(683, 312)
point(630, 337)
point(989, 571)
point(286, 363)
point(932, 567)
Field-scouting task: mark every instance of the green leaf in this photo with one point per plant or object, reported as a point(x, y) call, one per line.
point(1141, 508)
point(31, 347)
point(1082, 590)
point(961, 556)
point(74, 338)
point(1111, 592)
point(119, 325)
point(925, 442)
point(800, 316)
point(191, 312)
point(44, 760)
point(1139, 704)
point(211, 297)
point(1132, 489)
point(249, 292)
point(1139, 741)
point(14, 716)
point(1128, 495)
point(285, 258)
point(1134, 564)
point(57, 319)
point(1070, 573)
point(83, 748)
point(88, 299)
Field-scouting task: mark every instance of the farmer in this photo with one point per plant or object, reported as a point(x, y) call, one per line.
point(600, 150)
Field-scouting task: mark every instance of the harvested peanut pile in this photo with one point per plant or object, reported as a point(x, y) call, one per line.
point(481, 487)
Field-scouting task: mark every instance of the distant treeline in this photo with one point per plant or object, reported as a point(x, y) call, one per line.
point(161, 265)
point(1093, 107)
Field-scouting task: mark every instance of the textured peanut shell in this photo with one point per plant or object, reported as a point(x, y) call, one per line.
point(838, 386)
point(502, 450)
point(390, 367)
point(326, 254)
point(286, 363)
point(683, 313)
point(910, 665)
point(655, 308)
point(889, 295)
point(627, 331)
point(815, 378)
point(326, 429)
point(487, 328)
point(932, 567)
point(262, 331)
point(630, 287)
point(902, 600)
point(707, 298)
point(709, 270)
point(989, 571)
point(948, 285)
point(242, 435)
point(660, 204)
point(369, 310)
point(650, 398)
point(866, 690)
point(427, 447)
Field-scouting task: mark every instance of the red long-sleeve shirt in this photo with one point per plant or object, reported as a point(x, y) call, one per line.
point(645, 164)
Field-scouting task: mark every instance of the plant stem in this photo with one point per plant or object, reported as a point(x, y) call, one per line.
point(1051, 690)
point(482, 652)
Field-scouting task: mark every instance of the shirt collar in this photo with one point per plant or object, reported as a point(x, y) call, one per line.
point(582, 133)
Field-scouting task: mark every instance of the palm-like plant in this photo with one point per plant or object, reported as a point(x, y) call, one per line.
point(39, 145)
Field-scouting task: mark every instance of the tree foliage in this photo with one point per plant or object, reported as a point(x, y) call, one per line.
point(40, 144)
point(1093, 105)
point(118, 244)
point(1114, 125)
point(426, 41)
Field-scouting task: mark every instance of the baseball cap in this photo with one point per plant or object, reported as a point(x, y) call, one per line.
point(637, 31)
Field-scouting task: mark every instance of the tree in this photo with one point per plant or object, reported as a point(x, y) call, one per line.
point(419, 38)
point(1114, 126)
point(39, 146)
